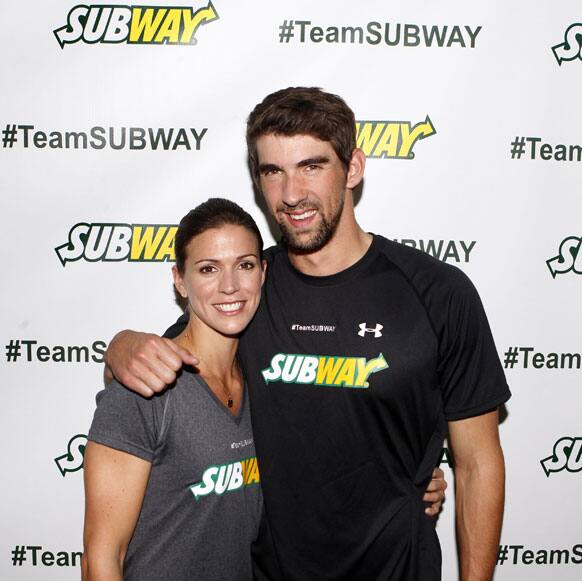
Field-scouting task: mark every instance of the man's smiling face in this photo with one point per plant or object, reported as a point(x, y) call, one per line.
point(304, 184)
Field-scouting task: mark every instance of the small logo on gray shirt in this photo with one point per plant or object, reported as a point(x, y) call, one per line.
point(241, 444)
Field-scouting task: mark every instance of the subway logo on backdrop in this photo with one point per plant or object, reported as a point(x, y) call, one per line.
point(116, 24)
point(391, 139)
point(118, 242)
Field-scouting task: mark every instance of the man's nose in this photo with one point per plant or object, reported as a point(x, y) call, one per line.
point(294, 191)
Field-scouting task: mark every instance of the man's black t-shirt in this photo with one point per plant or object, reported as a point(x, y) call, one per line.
point(352, 378)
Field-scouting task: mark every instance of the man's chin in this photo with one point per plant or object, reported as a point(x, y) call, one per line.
point(304, 244)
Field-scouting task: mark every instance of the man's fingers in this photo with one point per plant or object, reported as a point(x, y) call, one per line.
point(434, 496)
point(437, 484)
point(158, 379)
point(184, 355)
point(433, 510)
point(438, 481)
point(143, 362)
point(157, 349)
point(141, 388)
point(438, 474)
point(155, 362)
point(158, 360)
point(435, 492)
point(154, 374)
point(134, 381)
point(436, 500)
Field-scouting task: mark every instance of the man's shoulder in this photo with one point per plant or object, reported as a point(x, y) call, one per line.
point(273, 252)
point(422, 270)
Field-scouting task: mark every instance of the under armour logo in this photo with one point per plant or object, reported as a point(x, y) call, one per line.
point(377, 330)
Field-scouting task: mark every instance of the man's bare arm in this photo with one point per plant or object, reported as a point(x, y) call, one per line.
point(479, 493)
point(144, 362)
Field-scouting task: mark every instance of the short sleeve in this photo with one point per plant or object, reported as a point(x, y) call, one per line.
point(174, 330)
point(470, 373)
point(126, 421)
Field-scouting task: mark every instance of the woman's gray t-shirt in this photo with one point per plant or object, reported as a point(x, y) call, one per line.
point(202, 505)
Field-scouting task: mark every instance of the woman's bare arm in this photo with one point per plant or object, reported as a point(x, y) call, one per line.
point(115, 484)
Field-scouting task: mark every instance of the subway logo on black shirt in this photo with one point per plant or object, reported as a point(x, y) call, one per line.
point(323, 370)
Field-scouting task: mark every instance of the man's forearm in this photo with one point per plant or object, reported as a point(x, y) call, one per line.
point(479, 499)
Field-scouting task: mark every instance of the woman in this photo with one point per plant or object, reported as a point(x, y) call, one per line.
point(171, 483)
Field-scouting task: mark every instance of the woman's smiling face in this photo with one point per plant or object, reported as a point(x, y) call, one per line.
point(222, 278)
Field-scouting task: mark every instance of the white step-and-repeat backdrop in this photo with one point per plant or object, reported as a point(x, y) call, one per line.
point(116, 119)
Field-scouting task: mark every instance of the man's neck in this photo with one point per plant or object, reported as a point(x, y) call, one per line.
point(347, 245)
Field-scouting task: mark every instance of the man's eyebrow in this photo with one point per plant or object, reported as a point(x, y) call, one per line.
point(319, 160)
point(264, 167)
point(313, 161)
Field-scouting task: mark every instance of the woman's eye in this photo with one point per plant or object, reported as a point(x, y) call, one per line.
point(247, 265)
point(206, 269)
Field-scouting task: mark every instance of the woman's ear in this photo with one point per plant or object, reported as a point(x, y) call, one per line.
point(179, 282)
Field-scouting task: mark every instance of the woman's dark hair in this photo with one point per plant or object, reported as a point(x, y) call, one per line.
point(213, 213)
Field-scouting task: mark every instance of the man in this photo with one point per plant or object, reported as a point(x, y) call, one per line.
point(362, 351)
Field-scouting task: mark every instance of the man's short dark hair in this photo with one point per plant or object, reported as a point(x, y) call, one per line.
point(303, 111)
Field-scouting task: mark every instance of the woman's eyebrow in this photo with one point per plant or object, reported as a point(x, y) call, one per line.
point(219, 260)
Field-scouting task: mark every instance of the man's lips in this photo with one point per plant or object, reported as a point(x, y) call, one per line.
point(301, 217)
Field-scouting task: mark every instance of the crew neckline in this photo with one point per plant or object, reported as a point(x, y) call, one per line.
point(343, 275)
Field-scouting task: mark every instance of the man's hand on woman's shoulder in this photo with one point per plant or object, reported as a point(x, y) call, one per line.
point(144, 362)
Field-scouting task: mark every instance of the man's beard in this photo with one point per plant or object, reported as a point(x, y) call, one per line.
point(319, 238)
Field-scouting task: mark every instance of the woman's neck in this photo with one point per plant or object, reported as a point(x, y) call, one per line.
point(218, 365)
point(216, 352)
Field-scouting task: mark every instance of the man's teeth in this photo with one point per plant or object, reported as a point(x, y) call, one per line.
point(304, 215)
point(229, 307)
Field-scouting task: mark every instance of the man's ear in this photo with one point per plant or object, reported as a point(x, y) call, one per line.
point(356, 168)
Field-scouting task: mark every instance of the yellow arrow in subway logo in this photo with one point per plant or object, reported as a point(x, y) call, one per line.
point(154, 25)
point(391, 139)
